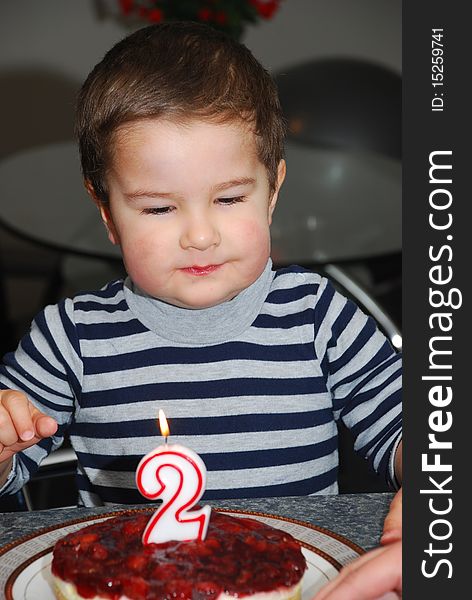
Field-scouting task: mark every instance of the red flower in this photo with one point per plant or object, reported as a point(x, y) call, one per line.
point(204, 14)
point(126, 6)
point(221, 17)
point(224, 14)
point(266, 8)
point(155, 15)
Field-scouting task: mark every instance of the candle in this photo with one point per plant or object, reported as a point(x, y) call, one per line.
point(177, 475)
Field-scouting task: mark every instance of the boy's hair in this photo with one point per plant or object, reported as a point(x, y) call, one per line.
point(176, 71)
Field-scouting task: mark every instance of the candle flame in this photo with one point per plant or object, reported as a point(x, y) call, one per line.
point(164, 427)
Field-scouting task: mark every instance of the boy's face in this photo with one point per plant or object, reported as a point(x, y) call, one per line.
point(190, 208)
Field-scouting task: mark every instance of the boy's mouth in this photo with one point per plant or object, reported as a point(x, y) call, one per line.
point(201, 270)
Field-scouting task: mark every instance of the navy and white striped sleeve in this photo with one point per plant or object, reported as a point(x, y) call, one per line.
point(363, 373)
point(47, 367)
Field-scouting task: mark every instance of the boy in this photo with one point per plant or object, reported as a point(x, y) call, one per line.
point(181, 140)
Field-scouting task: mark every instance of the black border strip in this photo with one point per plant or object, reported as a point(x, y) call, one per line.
point(436, 119)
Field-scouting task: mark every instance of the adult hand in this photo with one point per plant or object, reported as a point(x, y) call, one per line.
point(376, 575)
point(21, 424)
point(392, 530)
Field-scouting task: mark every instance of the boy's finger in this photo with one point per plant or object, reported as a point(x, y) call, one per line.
point(8, 432)
point(22, 421)
point(44, 426)
point(17, 407)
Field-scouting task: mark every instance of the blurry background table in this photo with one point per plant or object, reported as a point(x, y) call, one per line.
point(43, 198)
point(359, 517)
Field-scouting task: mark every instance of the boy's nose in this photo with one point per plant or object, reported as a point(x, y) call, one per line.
point(200, 233)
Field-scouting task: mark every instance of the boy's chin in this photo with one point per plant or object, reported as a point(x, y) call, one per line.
point(201, 303)
point(198, 298)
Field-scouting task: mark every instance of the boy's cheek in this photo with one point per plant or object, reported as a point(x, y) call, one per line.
point(253, 232)
point(143, 272)
point(263, 244)
point(253, 247)
point(141, 253)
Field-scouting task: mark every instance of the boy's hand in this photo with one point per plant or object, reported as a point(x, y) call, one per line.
point(21, 424)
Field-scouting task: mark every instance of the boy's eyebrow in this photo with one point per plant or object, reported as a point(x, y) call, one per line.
point(148, 194)
point(220, 187)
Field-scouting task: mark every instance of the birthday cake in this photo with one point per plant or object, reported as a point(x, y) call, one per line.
point(239, 558)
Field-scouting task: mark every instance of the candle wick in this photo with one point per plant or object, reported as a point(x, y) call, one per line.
point(165, 439)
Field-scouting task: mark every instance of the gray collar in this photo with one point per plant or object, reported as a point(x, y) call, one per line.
point(194, 327)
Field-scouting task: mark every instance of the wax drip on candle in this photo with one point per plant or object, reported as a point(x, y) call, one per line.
point(177, 475)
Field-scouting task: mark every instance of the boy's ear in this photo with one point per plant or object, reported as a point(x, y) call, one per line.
point(281, 171)
point(104, 213)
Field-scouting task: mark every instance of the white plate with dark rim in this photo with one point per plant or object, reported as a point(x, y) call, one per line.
point(25, 564)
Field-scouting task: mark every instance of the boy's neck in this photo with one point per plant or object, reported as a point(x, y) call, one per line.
point(200, 326)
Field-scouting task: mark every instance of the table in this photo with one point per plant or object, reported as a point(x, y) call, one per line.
point(333, 206)
point(354, 521)
point(359, 517)
point(44, 200)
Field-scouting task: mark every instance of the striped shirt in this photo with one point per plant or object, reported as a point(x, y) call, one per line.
point(255, 386)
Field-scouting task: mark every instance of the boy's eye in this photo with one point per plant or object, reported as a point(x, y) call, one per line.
point(157, 210)
point(232, 200)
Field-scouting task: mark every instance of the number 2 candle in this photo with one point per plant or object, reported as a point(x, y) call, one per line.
point(177, 475)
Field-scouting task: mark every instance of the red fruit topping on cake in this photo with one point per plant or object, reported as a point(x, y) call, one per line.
point(239, 557)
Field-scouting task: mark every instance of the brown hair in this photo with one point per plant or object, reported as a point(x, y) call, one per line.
point(176, 70)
